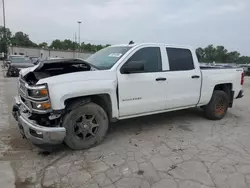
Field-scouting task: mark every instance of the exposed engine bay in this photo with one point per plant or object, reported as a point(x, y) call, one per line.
point(51, 68)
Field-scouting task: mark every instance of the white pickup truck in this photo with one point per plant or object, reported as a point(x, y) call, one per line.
point(74, 100)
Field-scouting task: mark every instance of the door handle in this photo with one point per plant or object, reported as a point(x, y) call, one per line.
point(161, 79)
point(195, 76)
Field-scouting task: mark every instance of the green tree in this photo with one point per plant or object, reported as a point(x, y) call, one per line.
point(56, 44)
point(233, 56)
point(7, 32)
point(220, 54)
point(64, 45)
point(67, 44)
point(22, 39)
point(210, 53)
point(243, 60)
point(99, 47)
point(4, 41)
point(75, 46)
point(88, 47)
point(200, 54)
point(43, 45)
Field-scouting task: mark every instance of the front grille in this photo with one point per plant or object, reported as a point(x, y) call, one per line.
point(22, 87)
point(26, 102)
point(23, 100)
point(23, 95)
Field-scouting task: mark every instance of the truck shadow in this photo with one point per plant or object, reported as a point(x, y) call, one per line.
point(123, 128)
point(154, 121)
point(136, 126)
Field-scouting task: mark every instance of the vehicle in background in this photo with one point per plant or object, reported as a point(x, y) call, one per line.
point(246, 69)
point(74, 100)
point(10, 57)
point(52, 58)
point(15, 63)
point(1, 55)
point(35, 60)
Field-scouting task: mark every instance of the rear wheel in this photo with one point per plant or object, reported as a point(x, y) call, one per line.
point(216, 109)
point(85, 126)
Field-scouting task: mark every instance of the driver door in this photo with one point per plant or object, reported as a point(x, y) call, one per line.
point(142, 91)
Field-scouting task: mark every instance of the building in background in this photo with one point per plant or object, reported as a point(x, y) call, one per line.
point(46, 53)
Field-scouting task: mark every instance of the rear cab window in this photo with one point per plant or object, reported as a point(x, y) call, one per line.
point(180, 59)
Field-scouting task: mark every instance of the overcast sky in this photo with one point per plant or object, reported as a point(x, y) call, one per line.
point(188, 22)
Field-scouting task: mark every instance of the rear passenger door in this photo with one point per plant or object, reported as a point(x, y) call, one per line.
point(183, 79)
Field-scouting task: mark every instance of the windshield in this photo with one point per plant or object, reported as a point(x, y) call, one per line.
point(107, 57)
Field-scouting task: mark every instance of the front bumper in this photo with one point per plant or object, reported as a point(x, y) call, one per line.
point(37, 134)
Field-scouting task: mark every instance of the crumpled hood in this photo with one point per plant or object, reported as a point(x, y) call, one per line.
point(79, 76)
point(64, 71)
point(25, 71)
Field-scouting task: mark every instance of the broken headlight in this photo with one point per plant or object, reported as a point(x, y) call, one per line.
point(38, 92)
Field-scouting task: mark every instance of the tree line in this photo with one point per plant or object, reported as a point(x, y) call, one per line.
point(22, 39)
point(209, 54)
point(220, 54)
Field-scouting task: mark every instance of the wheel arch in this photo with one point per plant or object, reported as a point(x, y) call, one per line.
point(228, 89)
point(103, 100)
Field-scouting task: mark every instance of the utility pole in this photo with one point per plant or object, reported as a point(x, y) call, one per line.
point(74, 46)
point(79, 35)
point(75, 43)
point(4, 30)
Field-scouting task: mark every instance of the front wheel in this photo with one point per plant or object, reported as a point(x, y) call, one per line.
point(85, 126)
point(216, 109)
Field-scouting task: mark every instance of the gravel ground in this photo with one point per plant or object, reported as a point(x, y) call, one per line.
point(174, 150)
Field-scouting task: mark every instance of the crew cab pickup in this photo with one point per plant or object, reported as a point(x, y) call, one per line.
point(74, 100)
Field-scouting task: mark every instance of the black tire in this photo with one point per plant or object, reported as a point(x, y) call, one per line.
point(9, 74)
point(216, 109)
point(78, 141)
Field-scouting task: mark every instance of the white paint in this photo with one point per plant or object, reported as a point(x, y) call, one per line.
point(140, 94)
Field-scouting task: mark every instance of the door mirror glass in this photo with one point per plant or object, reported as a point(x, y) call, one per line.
point(133, 67)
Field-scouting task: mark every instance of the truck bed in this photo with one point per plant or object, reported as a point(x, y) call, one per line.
point(212, 76)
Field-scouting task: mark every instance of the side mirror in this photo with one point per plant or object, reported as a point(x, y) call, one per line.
point(132, 67)
point(36, 62)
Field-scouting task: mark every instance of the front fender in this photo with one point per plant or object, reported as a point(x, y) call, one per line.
point(59, 93)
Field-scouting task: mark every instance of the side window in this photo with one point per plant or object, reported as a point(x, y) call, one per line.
point(150, 56)
point(180, 59)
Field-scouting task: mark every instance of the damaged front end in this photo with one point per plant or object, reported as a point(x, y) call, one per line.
point(57, 67)
point(38, 128)
point(32, 107)
point(36, 119)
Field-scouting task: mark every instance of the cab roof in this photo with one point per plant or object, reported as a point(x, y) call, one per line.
point(156, 44)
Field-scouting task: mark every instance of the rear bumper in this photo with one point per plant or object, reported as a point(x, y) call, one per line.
point(240, 95)
point(37, 134)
